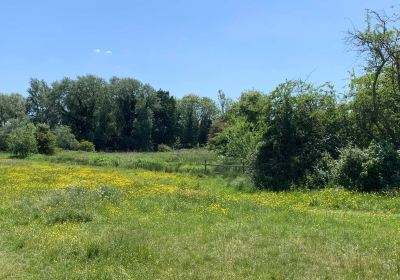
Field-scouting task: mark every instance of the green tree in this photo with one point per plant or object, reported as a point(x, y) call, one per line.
point(379, 89)
point(124, 93)
point(45, 140)
point(301, 126)
point(105, 135)
point(208, 112)
point(21, 141)
point(196, 115)
point(12, 106)
point(225, 103)
point(86, 146)
point(165, 119)
point(237, 141)
point(42, 104)
point(65, 139)
point(142, 126)
point(82, 105)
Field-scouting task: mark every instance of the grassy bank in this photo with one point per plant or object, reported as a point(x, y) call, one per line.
point(62, 221)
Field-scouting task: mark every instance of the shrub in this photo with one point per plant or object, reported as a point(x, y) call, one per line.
point(21, 140)
point(373, 169)
point(300, 125)
point(349, 166)
point(45, 139)
point(6, 129)
point(238, 141)
point(322, 174)
point(86, 146)
point(164, 148)
point(177, 144)
point(65, 139)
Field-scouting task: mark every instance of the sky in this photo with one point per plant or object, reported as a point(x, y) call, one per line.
point(181, 46)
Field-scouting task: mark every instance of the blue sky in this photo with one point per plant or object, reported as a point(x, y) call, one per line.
point(181, 46)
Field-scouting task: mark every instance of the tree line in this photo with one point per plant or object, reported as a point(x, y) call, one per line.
point(121, 114)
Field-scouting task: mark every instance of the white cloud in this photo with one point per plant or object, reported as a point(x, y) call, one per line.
point(100, 51)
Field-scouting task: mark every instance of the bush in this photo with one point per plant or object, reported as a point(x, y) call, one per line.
point(45, 139)
point(238, 141)
point(86, 146)
point(164, 148)
point(373, 169)
point(6, 129)
point(65, 139)
point(322, 174)
point(349, 167)
point(21, 140)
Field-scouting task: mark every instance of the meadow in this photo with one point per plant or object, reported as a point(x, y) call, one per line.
point(66, 219)
point(181, 161)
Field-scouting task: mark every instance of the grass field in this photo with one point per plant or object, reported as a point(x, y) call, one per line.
point(71, 221)
point(181, 161)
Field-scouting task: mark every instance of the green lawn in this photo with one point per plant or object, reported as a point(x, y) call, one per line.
point(69, 221)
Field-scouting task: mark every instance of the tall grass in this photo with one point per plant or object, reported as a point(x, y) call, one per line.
point(182, 161)
point(62, 221)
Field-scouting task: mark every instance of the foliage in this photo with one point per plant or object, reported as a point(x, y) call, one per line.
point(225, 103)
point(377, 92)
point(301, 125)
point(373, 169)
point(299, 129)
point(195, 118)
point(6, 130)
point(42, 103)
point(121, 114)
point(12, 106)
point(86, 146)
point(65, 139)
point(322, 174)
point(45, 139)
point(165, 119)
point(238, 141)
point(164, 148)
point(21, 141)
point(143, 124)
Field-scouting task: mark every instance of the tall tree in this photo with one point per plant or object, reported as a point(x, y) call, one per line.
point(379, 44)
point(41, 103)
point(124, 93)
point(224, 102)
point(301, 125)
point(12, 106)
point(105, 135)
point(196, 117)
point(208, 113)
point(82, 103)
point(143, 123)
point(165, 119)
